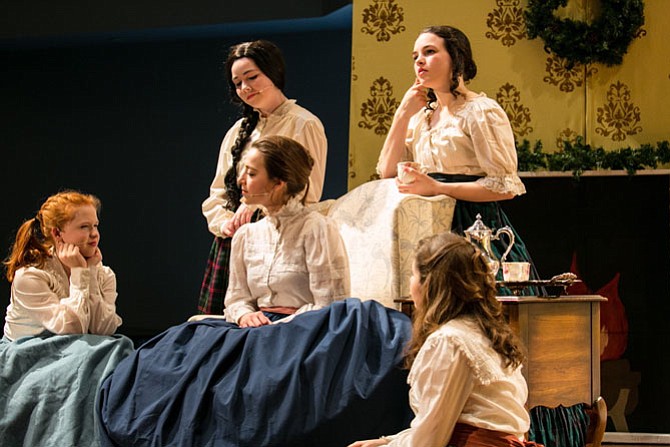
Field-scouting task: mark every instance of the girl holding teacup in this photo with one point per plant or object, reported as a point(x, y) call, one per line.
point(462, 140)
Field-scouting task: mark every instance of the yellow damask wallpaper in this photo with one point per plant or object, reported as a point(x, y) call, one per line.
point(612, 107)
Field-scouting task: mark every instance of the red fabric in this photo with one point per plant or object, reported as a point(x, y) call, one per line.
point(613, 319)
point(578, 288)
point(465, 435)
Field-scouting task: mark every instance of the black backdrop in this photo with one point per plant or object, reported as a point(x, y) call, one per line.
point(139, 124)
point(614, 224)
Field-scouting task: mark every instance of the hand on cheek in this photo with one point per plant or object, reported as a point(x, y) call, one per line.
point(70, 256)
point(95, 259)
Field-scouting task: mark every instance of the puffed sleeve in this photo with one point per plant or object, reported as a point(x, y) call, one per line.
point(239, 300)
point(327, 264)
point(493, 142)
point(313, 137)
point(441, 382)
point(214, 207)
point(104, 320)
point(33, 290)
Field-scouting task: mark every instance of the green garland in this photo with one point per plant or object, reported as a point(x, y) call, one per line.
point(606, 40)
point(579, 157)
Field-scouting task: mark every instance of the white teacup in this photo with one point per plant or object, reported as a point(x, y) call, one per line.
point(403, 175)
point(516, 271)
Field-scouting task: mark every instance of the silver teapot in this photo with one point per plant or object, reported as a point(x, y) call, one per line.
point(481, 235)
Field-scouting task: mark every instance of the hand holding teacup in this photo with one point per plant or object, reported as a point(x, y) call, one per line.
point(411, 178)
point(405, 174)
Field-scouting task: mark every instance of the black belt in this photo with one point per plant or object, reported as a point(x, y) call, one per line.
point(454, 178)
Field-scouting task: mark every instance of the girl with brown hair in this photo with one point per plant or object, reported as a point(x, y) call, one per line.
point(295, 361)
point(462, 140)
point(466, 383)
point(301, 244)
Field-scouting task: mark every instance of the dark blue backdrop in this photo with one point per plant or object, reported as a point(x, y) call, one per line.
point(137, 120)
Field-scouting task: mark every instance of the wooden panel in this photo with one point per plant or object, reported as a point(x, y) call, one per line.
point(558, 369)
point(562, 338)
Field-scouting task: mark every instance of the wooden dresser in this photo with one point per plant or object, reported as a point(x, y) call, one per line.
point(562, 337)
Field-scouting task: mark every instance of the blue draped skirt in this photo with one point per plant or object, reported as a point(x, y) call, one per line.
point(326, 378)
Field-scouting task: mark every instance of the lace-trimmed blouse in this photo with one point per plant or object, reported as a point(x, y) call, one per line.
point(458, 377)
point(478, 141)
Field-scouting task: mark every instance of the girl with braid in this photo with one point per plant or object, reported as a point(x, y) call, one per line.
point(256, 76)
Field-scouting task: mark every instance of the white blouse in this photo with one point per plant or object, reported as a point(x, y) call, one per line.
point(45, 298)
point(477, 141)
point(458, 377)
point(295, 258)
point(289, 120)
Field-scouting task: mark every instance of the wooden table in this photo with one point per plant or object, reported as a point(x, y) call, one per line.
point(562, 338)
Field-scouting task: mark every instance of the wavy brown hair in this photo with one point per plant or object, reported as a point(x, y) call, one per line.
point(34, 242)
point(455, 281)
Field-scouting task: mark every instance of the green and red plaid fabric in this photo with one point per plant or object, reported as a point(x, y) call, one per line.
point(215, 281)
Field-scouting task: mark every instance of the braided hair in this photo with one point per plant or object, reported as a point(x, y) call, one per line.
point(269, 59)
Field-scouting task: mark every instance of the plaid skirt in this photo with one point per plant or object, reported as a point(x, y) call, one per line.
point(561, 426)
point(215, 281)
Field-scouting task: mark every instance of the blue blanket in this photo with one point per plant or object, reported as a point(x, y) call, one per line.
point(49, 384)
point(324, 379)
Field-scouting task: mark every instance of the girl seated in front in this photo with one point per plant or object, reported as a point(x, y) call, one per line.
point(466, 383)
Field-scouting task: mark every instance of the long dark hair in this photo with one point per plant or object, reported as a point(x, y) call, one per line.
point(457, 45)
point(269, 59)
point(456, 281)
